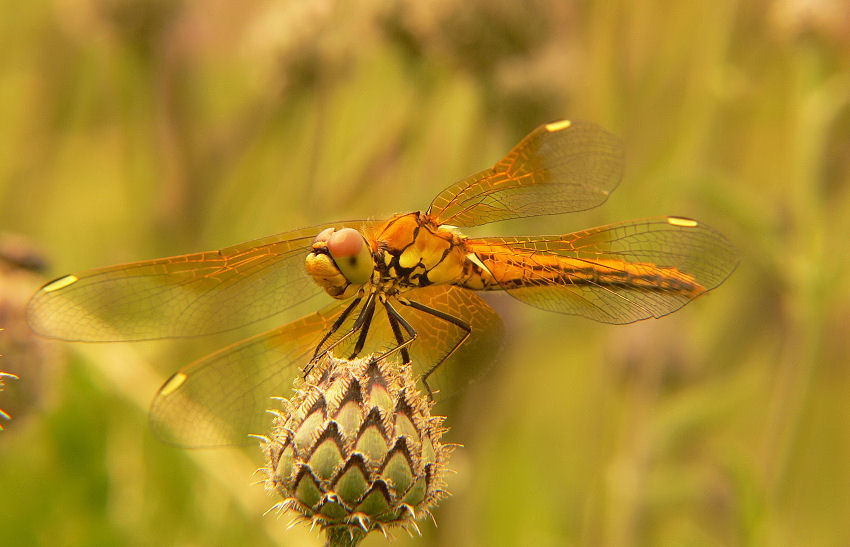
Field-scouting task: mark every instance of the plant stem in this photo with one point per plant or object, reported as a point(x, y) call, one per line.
point(340, 536)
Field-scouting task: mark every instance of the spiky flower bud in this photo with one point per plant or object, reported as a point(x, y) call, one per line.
point(356, 449)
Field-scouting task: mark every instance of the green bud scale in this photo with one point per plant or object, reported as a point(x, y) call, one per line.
point(356, 449)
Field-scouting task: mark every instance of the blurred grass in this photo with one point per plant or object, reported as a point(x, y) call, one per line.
point(135, 129)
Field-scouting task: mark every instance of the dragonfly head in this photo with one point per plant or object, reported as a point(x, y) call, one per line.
point(340, 261)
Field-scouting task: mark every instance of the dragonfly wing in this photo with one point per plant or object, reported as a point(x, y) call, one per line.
point(223, 397)
point(558, 168)
point(194, 294)
point(437, 337)
point(220, 399)
point(615, 274)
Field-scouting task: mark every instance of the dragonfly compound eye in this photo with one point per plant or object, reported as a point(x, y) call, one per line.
point(324, 235)
point(351, 254)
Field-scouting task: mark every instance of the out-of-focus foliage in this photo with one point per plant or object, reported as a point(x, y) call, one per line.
point(134, 129)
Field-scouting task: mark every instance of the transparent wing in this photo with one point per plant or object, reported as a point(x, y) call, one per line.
point(220, 399)
point(223, 397)
point(558, 168)
point(194, 294)
point(436, 338)
point(615, 274)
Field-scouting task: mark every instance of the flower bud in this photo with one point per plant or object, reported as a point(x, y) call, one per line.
point(356, 449)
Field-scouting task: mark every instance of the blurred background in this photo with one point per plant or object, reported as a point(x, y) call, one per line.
point(134, 129)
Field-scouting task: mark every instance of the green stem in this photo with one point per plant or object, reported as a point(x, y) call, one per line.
point(343, 536)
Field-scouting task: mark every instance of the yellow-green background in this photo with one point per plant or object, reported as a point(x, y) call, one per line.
point(133, 129)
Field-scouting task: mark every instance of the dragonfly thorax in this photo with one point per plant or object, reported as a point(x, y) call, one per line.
point(414, 251)
point(340, 261)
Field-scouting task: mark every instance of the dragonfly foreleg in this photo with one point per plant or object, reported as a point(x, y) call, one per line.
point(358, 323)
point(319, 352)
point(449, 319)
point(366, 315)
point(337, 324)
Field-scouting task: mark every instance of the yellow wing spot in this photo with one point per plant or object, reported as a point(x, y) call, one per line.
point(60, 283)
point(173, 383)
point(554, 127)
point(683, 222)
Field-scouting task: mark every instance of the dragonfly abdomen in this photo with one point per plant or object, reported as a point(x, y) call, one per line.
point(507, 268)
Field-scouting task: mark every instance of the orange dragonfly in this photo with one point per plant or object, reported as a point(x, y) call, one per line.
point(416, 270)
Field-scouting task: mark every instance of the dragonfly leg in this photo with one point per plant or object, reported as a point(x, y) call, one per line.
point(358, 323)
point(449, 319)
point(397, 322)
point(337, 324)
point(366, 314)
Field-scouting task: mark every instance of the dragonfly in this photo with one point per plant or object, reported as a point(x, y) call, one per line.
point(405, 286)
